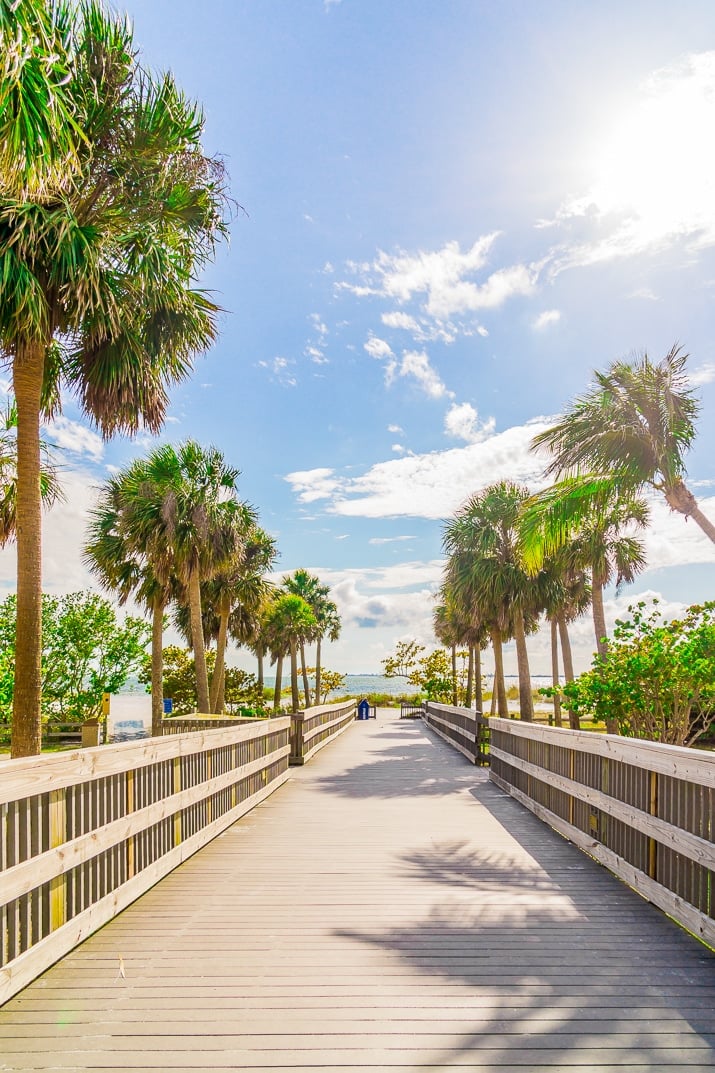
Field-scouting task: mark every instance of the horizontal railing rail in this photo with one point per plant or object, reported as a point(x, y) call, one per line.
point(644, 810)
point(85, 833)
point(315, 727)
point(463, 728)
point(409, 710)
point(187, 724)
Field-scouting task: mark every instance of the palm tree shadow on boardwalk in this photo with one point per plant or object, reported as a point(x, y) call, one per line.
point(560, 962)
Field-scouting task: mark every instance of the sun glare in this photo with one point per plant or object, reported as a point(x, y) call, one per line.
point(656, 165)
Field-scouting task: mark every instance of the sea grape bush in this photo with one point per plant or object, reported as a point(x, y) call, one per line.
point(657, 679)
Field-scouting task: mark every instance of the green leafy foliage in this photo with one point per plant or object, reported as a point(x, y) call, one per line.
point(86, 652)
point(432, 674)
point(241, 689)
point(657, 680)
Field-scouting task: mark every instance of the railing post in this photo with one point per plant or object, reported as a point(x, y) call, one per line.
point(58, 835)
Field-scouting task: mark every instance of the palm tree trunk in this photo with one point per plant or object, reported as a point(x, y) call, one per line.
point(526, 702)
point(217, 677)
point(555, 669)
point(478, 698)
point(470, 678)
point(279, 683)
point(306, 684)
point(295, 694)
point(157, 666)
point(682, 500)
point(197, 639)
point(574, 721)
point(317, 669)
point(599, 617)
point(28, 371)
point(499, 688)
point(455, 698)
point(259, 659)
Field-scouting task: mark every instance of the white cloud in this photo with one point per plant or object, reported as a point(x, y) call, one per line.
point(64, 532)
point(312, 484)
point(77, 438)
point(547, 318)
point(416, 364)
point(280, 370)
point(441, 280)
point(395, 429)
point(703, 374)
point(462, 423)
point(400, 320)
point(398, 449)
point(429, 485)
point(389, 540)
point(377, 348)
point(645, 293)
point(481, 330)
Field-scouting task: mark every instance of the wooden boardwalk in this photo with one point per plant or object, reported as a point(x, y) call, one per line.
point(387, 909)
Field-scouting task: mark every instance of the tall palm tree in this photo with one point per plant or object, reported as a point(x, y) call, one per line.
point(328, 626)
point(306, 585)
point(485, 570)
point(202, 521)
point(289, 621)
point(598, 538)
point(125, 551)
point(98, 255)
point(630, 431)
point(50, 489)
point(327, 621)
point(238, 585)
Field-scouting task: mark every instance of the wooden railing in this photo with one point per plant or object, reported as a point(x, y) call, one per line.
point(84, 833)
point(313, 728)
point(645, 810)
point(466, 730)
point(187, 724)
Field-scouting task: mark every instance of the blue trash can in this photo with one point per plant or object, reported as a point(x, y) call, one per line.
point(363, 709)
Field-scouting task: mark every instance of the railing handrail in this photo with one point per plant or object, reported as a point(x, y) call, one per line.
point(679, 761)
point(25, 776)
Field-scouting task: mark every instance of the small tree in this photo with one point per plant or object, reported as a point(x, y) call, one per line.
point(657, 680)
point(86, 652)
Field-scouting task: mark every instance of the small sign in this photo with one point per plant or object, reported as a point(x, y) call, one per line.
point(106, 699)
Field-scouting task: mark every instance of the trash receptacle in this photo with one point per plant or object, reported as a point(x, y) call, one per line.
point(90, 733)
point(363, 709)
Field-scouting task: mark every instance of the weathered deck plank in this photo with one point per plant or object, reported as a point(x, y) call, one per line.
point(387, 909)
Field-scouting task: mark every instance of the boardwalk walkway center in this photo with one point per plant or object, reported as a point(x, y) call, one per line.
point(388, 906)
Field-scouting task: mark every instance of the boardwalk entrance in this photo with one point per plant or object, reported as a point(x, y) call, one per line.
point(387, 908)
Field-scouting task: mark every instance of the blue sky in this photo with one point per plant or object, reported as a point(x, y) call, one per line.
point(450, 215)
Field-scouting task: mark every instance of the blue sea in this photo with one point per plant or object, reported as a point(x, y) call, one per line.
point(359, 685)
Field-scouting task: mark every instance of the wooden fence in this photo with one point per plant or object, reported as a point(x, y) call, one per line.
point(187, 724)
point(645, 810)
point(462, 728)
point(313, 728)
point(85, 833)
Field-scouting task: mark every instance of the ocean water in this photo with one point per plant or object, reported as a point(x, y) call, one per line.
point(359, 685)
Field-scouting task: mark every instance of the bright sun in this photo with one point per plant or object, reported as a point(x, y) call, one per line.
point(656, 166)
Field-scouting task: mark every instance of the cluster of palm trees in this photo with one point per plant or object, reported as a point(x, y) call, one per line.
point(171, 529)
point(513, 557)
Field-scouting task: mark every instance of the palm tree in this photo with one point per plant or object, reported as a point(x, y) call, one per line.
point(309, 586)
point(98, 254)
point(485, 571)
point(447, 628)
point(597, 538)
point(202, 521)
point(50, 489)
point(327, 626)
point(238, 585)
point(124, 550)
point(306, 585)
point(632, 430)
point(289, 621)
